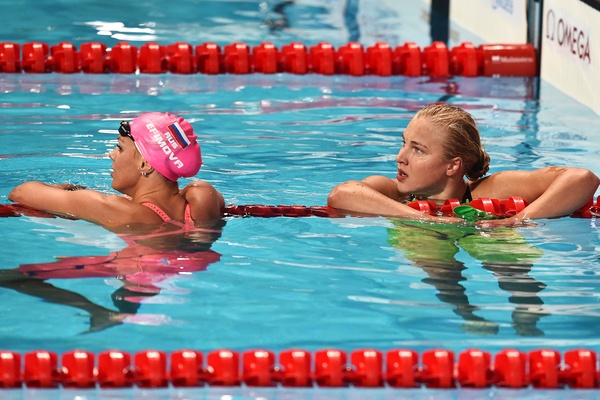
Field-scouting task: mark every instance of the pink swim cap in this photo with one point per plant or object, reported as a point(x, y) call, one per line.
point(168, 143)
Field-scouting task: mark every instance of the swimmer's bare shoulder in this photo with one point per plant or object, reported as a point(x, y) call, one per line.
point(206, 203)
point(529, 185)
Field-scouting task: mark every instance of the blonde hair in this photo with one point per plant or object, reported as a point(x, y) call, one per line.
point(462, 140)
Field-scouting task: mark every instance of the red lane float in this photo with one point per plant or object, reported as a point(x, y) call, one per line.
point(396, 368)
point(380, 59)
point(10, 57)
point(92, 57)
point(495, 207)
point(499, 208)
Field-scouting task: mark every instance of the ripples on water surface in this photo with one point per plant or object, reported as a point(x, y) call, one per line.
point(290, 282)
point(302, 282)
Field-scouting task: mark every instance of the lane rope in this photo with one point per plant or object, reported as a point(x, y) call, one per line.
point(381, 59)
point(362, 368)
point(482, 208)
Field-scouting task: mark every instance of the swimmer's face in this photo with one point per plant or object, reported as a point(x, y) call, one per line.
point(422, 167)
point(125, 158)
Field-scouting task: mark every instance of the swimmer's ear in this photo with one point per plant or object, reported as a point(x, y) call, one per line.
point(455, 166)
point(145, 168)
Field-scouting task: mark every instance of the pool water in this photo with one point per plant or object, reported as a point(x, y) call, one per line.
point(298, 282)
point(280, 283)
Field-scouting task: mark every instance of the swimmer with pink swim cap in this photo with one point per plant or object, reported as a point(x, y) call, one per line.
point(153, 151)
point(167, 142)
point(154, 218)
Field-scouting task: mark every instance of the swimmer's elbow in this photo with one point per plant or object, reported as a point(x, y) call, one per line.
point(20, 193)
point(578, 180)
point(339, 194)
point(14, 195)
point(332, 199)
point(588, 180)
point(594, 179)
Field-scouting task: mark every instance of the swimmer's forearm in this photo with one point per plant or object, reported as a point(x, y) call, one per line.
point(567, 193)
point(63, 186)
point(25, 192)
point(82, 204)
point(357, 197)
point(30, 192)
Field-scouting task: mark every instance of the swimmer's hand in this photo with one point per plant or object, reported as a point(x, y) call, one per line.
point(68, 186)
point(105, 319)
point(485, 220)
point(513, 222)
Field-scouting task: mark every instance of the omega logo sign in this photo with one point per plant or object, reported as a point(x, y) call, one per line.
point(568, 35)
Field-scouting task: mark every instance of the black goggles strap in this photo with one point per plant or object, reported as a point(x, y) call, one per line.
point(125, 129)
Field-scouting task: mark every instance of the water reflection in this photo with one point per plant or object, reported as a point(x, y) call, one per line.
point(502, 251)
point(150, 260)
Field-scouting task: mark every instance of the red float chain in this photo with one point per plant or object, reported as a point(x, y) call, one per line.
point(397, 368)
point(379, 59)
point(499, 208)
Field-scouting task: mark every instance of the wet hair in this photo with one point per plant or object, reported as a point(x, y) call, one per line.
point(463, 139)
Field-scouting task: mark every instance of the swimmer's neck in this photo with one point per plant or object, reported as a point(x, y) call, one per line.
point(463, 193)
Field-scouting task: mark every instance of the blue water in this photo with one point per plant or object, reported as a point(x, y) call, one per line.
point(282, 283)
point(220, 21)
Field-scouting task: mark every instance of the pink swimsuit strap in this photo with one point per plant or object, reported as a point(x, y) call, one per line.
point(188, 221)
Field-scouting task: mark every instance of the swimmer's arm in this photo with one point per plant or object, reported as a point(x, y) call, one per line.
point(380, 199)
point(62, 199)
point(551, 191)
point(385, 186)
point(206, 203)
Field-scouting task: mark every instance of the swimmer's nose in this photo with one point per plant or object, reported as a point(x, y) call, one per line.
point(111, 154)
point(400, 156)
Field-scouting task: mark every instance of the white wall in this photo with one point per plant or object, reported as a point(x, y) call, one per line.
point(492, 21)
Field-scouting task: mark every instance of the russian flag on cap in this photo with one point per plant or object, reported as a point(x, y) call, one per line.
point(179, 135)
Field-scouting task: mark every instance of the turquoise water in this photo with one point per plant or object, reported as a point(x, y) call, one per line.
point(220, 21)
point(282, 283)
point(307, 282)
